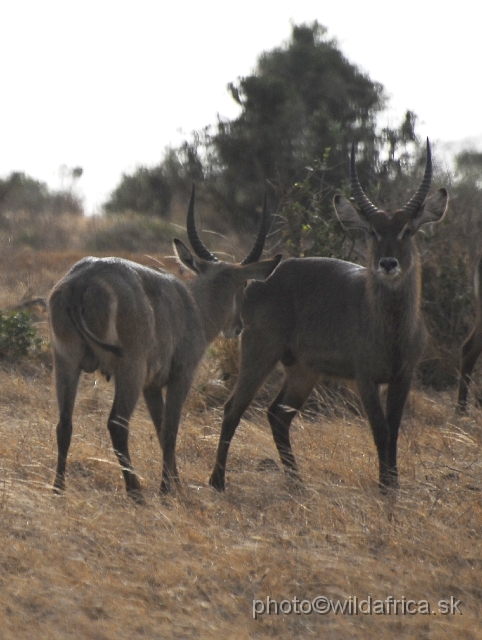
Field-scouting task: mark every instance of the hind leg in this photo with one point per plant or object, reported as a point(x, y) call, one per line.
point(177, 390)
point(471, 350)
point(296, 388)
point(255, 366)
point(127, 391)
point(155, 405)
point(66, 382)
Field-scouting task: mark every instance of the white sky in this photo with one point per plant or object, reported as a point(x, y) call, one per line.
point(108, 85)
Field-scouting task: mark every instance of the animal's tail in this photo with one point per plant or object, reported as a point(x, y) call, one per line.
point(75, 314)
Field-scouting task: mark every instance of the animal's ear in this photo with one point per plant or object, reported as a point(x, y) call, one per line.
point(258, 270)
point(185, 257)
point(432, 210)
point(349, 217)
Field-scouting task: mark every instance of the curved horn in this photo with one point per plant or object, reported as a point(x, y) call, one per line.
point(413, 205)
point(364, 204)
point(196, 242)
point(257, 249)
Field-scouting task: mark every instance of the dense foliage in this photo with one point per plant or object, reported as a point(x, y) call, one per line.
point(145, 191)
point(21, 193)
point(302, 107)
point(18, 336)
point(305, 102)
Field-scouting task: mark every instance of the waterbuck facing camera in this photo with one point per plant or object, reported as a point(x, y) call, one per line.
point(148, 330)
point(326, 317)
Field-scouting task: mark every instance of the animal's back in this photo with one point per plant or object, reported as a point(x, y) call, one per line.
point(149, 314)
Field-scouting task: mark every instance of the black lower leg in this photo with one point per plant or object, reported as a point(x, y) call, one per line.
point(64, 435)
point(119, 433)
point(228, 429)
point(280, 421)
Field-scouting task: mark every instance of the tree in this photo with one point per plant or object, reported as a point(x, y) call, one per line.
point(300, 111)
point(304, 102)
point(145, 191)
point(21, 193)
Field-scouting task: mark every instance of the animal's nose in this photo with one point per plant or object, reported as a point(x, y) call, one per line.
point(388, 264)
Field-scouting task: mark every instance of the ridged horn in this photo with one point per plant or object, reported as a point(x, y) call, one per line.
point(366, 207)
point(257, 249)
point(196, 243)
point(413, 205)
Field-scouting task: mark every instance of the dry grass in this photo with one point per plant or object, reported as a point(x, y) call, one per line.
point(92, 564)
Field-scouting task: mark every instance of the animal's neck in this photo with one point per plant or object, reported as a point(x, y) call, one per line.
point(395, 308)
point(211, 307)
point(395, 322)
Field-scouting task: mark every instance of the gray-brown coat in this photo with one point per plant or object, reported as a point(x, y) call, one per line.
point(148, 330)
point(327, 317)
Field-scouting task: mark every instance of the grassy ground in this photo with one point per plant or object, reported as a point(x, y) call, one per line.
point(91, 564)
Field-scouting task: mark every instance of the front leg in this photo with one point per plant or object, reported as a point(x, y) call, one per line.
point(397, 394)
point(370, 397)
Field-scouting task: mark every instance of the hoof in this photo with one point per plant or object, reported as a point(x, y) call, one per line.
point(387, 488)
point(59, 487)
point(136, 496)
point(295, 483)
point(170, 486)
point(217, 481)
point(166, 489)
point(267, 465)
point(293, 476)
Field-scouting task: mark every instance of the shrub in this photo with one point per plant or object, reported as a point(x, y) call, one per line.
point(447, 303)
point(311, 227)
point(21, 193)
point(18, 336)
point(145, 191)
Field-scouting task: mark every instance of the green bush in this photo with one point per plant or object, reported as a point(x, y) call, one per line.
point(18, 337)
point(146, 191)
point(311, 227)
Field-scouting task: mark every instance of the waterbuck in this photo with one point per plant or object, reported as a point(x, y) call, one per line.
point(472, 347)
point(327, 317)
point(147, 329)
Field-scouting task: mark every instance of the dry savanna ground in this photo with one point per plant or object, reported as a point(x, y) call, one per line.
point(91, 564)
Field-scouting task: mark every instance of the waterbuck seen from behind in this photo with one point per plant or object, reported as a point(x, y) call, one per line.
point(472, 347)
point(327, 317)
point(148, 330)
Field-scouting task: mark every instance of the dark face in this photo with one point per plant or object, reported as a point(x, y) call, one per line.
point(391, 246)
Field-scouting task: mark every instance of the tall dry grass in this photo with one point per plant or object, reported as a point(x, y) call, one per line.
point(91, 564)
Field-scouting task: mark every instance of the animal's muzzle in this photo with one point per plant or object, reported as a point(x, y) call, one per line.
point(389, 266)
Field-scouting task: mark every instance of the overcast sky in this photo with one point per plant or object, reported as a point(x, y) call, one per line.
point(108, 85)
